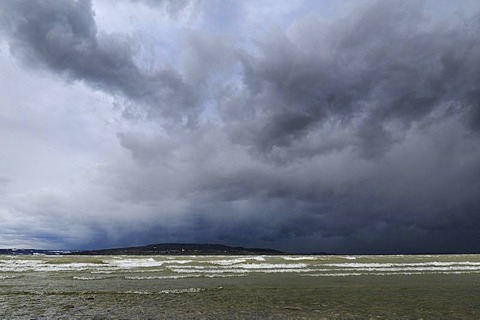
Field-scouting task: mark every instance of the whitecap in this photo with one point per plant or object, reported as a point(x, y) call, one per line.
point(178, 261)
point(241, 271)
point(138, 292)
point(187, 290)
point(393, 265)
point(270, 266)
point(135, 263)
point(302, 258)
point(160, 277)
point(88, 278)
point(233, 261)
point(345, 274)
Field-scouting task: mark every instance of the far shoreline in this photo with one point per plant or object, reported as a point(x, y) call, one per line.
point(186, 249)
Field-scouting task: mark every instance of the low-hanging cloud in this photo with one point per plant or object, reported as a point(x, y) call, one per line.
point(354, 134)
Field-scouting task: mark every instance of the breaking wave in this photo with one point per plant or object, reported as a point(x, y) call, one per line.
point(88, 278)
point(177, 268)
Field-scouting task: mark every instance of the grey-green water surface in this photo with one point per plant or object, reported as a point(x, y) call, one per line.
point(240, 287)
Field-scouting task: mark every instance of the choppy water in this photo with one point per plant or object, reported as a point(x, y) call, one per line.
point(251, 287)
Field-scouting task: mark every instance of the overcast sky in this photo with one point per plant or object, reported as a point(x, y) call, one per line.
point(338, 126)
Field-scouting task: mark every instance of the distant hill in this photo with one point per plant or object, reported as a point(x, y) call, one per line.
point(181, 249)
point(32, 252)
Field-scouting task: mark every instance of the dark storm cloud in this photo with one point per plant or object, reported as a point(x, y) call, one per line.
point(356, 134)
point(429, 186)
point(383, 65)
point(63, 36)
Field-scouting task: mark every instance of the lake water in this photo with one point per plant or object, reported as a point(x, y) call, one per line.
point(240, 287)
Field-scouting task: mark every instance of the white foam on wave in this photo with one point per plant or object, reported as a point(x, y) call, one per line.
point(19, 265)
point(137, 292)
point(241, 271)
point(345, 274)
point(138, 270)
point(187, 290)
point(161, 277)
point(393, 265)
point(41, 266)
point(432, 268)
point(8, 277)
point(187, 276)
point(233, 261)
point(135, 263)
point(177, 261)
point(270, 266)
point(168, 291)
point(337, 274)
point(302, 258)
point(88, 278)
point(193, 270)
point(250, 266)
point(215, 275)
point(74, 266)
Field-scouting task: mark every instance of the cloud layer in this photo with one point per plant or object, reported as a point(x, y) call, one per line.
point(352, 132)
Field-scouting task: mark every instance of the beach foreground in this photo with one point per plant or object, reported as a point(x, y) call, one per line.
point(246, 287)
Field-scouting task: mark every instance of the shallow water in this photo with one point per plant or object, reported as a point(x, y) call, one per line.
point(247, 287)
